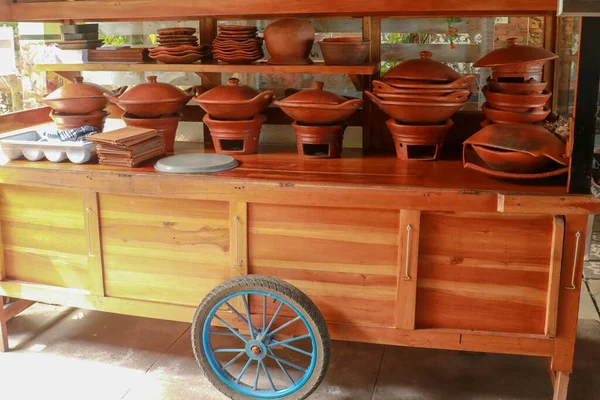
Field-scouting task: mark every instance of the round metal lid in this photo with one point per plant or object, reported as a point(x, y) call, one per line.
point(195, 163)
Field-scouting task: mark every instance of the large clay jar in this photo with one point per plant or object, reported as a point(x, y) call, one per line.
point(289, 41)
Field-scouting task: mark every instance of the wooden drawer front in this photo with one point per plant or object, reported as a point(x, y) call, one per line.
point(44, 236)
point(167, 250)
point(343, 259)
point(485, 273)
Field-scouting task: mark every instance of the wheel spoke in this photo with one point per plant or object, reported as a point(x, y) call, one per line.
point(231, 329)
point(224, 367)
point(294, 348)
point(264, 313)
point(257, 375)
point(268, 375)
point(281, 360)
point(294, 339)
point(243, 370)
point(226, 333)
point(274, 316)
point(240, 316)
point(282, 327)
point(281, 366)
point(250, 326)
point(228, 350)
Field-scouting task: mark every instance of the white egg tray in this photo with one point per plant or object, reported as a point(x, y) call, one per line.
point(27, 144)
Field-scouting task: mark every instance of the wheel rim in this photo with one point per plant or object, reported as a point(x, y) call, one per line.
point(258, 347)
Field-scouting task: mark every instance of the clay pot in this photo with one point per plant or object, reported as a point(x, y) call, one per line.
point(423, 70)
point(453, 97)
point(324, 141)
point(289, 41)
point(318, 107)
point(531, 86)
point(165, 126)
point(418, 143)
point(508, 117)
point(511, 161)
point(80, 98)
point(153, 99)
point(519, 103)
point(423, 113)
point(235, 137)
point(344, 50)
point(67, 121)
point(234, 101)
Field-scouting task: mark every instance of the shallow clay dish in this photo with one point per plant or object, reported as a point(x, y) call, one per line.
point(511, 161)
point(80, 97)
point(289, 41)
point(237, 28)
point(423, 69)
point(509, 117)
point(176, 31)
point(410, 112)
point(344, 50)
point(453, 97)
point(182, 47)
point(389, 85)
point(531, 86)
point(169, 59)
point(515, 102)
point(238, 59)
point(234, 101)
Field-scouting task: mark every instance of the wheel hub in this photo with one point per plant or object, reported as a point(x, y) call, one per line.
point(256, 350)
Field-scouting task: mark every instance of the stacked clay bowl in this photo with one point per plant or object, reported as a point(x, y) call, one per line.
point(515, 93)
point(178, 46)
point(79, 104)
point(154, 105)
point(237, 44)
point(420, 96)
point(233, 116)
point(346, 50)
point(320, 119)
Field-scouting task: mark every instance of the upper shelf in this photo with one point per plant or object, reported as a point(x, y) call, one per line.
point(106, 10)
point(316, 68)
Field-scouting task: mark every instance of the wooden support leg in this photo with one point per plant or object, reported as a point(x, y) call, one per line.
point(3, 328)
point(6, 314)
point(561, 386)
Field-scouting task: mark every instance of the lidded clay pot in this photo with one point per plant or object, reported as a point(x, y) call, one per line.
point(289, 41)
point(423, 70)
point(79, 97)
point(234, 101)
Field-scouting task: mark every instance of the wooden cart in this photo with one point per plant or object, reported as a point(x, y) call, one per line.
point(363, 248)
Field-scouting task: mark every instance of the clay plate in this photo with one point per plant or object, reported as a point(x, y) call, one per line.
point(176, 31)
point(515, 102)
point(182, 48)
point(511, 161)
point(509, 117)
point(453, 97)
point(237, 59)
point(463, 82)
point(168, 59)
point(237, 28)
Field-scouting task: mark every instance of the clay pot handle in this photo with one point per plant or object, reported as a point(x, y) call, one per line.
point(119, 91)
point(111, 98)
point(458, 96)
point(373, 98)
point(356, 103)
point(193, 91)
point(426, 54)
point(460, 82)
point(318, 85)
point(78, 79)
point(151, 79)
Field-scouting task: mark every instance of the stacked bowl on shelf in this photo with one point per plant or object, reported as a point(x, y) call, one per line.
point(320, 119)
point(420, 96)
point(79, 104)
point(178, 46)
point(154, 105)
point(237, 44)
point(233, 116)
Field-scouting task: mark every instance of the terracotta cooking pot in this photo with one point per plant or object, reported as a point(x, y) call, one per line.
point(289, 41)
point(453, 97)
point(165, 126)
point(423, 70)
point(515, 102)
point(80, 98)
point(318, 107)
point(423, 113)
point(234, 101)
point(511, 161)
point(509, 117)
point(153, 99)
point(531, 86)
point(235, 137)
point(67, 121)
point(344, 50)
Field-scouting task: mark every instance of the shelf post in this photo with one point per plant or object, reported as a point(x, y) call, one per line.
point(371, 31)
point(208, 33)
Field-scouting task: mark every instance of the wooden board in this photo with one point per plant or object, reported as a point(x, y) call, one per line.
point(44, 236)
point(164, 250)
point(485, 273)
point(343, 259)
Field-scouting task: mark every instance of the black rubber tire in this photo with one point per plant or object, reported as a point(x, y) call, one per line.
point(294, 296)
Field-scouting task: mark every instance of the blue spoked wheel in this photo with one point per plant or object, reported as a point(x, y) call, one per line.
point(257, 337)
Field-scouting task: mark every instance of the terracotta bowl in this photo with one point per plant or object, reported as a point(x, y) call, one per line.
point(508, 117)
point(453, 97)
point(516, 87)
point(319, 141)
point(66, 121)
point(320, 113)
point(236, 109)
point(519, 72)
point(464, 82)
point(519, 103)
point(289, 41)
point(235, 137)
point(169, 59)
point(415, 113)
point(165, 126)
point(511, 161)
point(78, 106)
point(429, 138)
point(344, 51)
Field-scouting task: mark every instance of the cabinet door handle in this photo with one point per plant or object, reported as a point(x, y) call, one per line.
point(237, 242)
point(573, 287)
point(88, 212)
point(408, 231)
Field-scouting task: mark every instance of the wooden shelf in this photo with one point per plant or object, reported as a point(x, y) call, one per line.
point(261, 67)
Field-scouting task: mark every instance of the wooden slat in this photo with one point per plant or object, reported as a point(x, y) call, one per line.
point(24, 119)
point(429, 25)
point(408, 269)
point(175, 9)
point(329, 25)
point(573, 204)
point(441, 52)
point(561, 386)
point(94, 255)
point(5, 12)
point(558, 234)
point(371, 31)
point(3, 331)
point(15, 308)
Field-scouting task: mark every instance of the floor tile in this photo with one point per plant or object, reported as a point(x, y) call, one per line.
point(587, 309)
point(584, 384)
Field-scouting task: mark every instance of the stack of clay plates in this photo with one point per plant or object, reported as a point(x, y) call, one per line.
point(237, 44)
point(128, 147)
point(178, 46)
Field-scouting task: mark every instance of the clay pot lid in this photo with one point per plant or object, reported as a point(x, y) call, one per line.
point(316, 95)
point(422, 69)
point(524, 138)
point(153, 91)
point(77, 90)
point(515, 53)
point(232, 91)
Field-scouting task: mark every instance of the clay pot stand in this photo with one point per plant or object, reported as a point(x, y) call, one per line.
point(235, 137)
point(319, 141)
point(67, 121)
point(418, 142)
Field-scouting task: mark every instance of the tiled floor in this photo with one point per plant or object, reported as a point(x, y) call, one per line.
point(63, 353)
